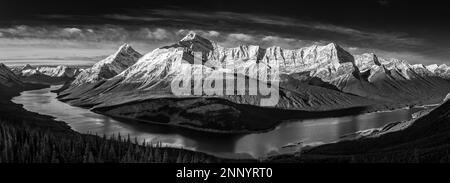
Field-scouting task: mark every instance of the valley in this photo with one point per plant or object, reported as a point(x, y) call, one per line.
point(324, 81)
point(328, 99)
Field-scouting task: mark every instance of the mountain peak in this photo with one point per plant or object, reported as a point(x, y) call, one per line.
point(125, 55)
point(342, 55)
point(26, 67)
point(190, 36)
point(333, 46)
point(124, 46)
point(109, 67)
point(126, 49)
point(193, 36)
point(197, 43)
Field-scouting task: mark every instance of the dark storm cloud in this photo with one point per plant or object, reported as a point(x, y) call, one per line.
point(229, 28)
point(266, 25)
point(250, 21)
point(255, 24)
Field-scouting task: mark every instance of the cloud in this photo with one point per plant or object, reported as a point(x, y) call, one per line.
point(277, 39)
point(259, 24)
point(353, 49)
point(213, 33)
point(240, 37)
point(158, 34)
point(233, 20)
point(72, 30)
point(226, 28)
point(128, 18)
point(89, 33)
point(284, 42)
point(24, 31)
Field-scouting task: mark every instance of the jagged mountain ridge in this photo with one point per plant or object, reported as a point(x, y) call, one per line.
point(103, 70)
point(334, 80)
point(357, 75)
point(143, 92)
point(58, 71)
point(396, 81)
point(151, 76)
point(109, 67)
point(47, 74)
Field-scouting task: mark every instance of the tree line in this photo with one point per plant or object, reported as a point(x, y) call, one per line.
point(19, 144)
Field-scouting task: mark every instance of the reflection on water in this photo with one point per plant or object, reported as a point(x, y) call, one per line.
point(308, 131)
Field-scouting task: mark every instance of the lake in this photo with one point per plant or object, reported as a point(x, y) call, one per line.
point(314, 131)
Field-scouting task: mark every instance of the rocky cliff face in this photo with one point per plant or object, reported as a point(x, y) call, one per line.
point(109, 67)
point(151, 76)
point(315, 78)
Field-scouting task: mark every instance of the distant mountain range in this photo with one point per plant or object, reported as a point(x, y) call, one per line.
point(46, 74)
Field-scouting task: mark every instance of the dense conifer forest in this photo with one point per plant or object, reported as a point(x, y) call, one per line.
point(27, 145)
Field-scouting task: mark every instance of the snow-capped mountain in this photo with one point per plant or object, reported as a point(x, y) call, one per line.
point(442, 70)
point(109, 67)
point(59, 71)
point(151, 75)
point(393, 80)
point(7, 78)
point(314, 78)
point(18, 70)
point(320, 60)
point(47, 75)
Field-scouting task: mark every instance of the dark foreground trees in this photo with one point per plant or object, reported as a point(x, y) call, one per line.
point(20, 144)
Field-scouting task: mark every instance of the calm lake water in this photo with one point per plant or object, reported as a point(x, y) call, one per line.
point(307, 131)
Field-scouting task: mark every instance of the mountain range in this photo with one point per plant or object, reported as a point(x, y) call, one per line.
point(46, 74)
point(314, 79)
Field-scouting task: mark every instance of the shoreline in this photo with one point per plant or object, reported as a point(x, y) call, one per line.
point(49, 120)
point(46, 123)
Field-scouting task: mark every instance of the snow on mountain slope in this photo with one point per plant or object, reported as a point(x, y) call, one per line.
point(47, 74)
point(440, 70)
point(152, 75)
point(395, 81)
point(315, 78)
point(59, 71)
point(443, 71)
point(363, 75)
point(109, 67)
point(7, 78)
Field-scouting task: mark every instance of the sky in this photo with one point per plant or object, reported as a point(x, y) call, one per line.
point(85, 31)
